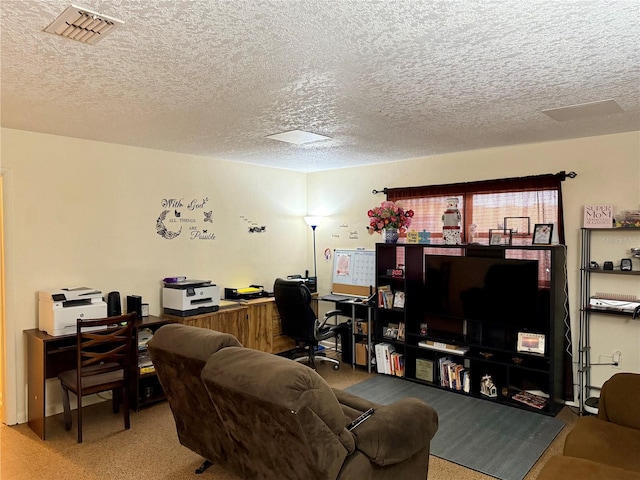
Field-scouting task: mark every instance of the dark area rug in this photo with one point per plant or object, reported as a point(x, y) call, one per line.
point(494, 439)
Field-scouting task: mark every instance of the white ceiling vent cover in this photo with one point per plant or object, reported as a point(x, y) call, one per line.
point(83, 25)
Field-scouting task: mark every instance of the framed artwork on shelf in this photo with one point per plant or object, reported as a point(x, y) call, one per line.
point(598, 216)
point(519, 226)
point(500, 236)
point(542, 234)
point(531, 342)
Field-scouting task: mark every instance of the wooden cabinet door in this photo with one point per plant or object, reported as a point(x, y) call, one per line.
point(280, 342)
point(260, 334)
point(233, 321)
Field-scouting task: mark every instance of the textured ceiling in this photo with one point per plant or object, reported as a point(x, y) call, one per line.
point(386, 80)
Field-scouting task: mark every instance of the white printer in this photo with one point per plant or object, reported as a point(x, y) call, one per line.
point(190, 297)
point(60, 309)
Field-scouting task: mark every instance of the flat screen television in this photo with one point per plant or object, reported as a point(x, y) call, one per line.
point(496, 290)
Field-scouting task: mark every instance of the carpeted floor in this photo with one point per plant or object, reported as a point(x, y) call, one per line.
point(472, 430)
point(150, 449)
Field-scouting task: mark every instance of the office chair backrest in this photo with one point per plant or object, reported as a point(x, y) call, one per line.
point(293, 300)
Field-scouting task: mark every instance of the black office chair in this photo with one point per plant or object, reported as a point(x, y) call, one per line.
point(299, 321)
point(105, 348)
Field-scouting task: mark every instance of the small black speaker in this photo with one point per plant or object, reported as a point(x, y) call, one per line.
point(114, 308)
point(134, 304)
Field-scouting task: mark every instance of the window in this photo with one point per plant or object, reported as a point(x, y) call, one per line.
point(515, 203)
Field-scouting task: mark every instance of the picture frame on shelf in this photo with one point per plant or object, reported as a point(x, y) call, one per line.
point(398, 299)
point(542, 233)
point(500, 236)
point(391, 332)
point(520, 226)
point(531, 342)
point(598, 216)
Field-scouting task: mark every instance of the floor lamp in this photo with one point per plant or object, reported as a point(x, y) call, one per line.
point(313, 222)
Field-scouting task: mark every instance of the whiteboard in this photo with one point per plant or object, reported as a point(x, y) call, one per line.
point(354, 272)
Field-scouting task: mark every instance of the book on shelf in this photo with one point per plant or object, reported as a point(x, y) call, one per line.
point(398, 369)
point(386, 359)
point(531, 399)
point(401, 331)
point(443, 347)
point(383, 292)
point(147, 369)
point(398, 299)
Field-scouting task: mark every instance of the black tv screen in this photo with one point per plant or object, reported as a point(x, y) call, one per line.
point(500, 291)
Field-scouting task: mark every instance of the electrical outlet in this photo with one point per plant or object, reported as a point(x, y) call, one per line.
point(617, 359)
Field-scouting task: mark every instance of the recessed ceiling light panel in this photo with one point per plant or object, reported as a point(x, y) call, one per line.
point(83, 25)
point(584, 110)
point(297, 137)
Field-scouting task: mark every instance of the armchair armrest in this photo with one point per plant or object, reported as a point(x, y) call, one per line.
point(396, 432)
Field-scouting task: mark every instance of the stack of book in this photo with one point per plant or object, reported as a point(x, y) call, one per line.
point(454, 376)
point(388, 361)
point(387, 298)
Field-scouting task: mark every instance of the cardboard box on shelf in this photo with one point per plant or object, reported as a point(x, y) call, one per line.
point(361, 353)
point(362, 327)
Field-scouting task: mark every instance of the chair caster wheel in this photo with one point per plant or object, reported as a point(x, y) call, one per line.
point(336, 367)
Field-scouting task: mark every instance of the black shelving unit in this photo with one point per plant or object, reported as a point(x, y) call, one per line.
point(490, 348)
point(588, 401)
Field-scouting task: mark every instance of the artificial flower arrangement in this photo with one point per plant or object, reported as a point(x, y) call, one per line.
point(389, 215)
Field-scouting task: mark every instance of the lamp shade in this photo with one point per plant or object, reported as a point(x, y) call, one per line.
point(312, 221)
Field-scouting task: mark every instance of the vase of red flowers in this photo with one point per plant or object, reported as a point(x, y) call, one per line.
point(390, 220)
point(390, 235)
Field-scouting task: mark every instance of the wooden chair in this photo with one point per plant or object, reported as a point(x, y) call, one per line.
point(105, 350)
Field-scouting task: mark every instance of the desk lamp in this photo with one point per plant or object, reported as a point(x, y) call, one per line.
point(313, 222)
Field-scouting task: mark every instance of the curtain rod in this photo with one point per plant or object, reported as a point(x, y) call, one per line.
point(563, 176)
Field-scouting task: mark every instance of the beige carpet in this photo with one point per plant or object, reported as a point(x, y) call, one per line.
point(150, 449)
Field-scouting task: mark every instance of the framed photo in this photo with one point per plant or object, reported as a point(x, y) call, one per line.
point(531, 342)
point(424, 369)
point(500, 237)
point(542, 234)
point(391, 332)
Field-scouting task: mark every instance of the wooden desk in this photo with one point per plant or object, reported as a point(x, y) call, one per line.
point(256, 324)
point(47, 356)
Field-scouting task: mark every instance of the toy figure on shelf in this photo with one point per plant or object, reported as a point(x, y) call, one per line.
point(451, 223)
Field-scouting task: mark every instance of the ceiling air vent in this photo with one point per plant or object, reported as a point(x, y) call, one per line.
point(83, 25)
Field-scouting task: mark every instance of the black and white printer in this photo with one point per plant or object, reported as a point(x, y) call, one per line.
point(59, 310)
point(190, 297)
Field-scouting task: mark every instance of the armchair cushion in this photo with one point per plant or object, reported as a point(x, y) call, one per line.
point(559, 467)
point(604, 442)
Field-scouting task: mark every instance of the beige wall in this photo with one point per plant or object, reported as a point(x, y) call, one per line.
point(84, 213)
point(608, 169)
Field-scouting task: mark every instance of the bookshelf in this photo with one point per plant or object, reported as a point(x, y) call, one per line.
point(459, 354)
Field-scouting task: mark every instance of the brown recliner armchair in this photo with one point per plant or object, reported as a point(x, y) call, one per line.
point(606, 446)
point(273, 418)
